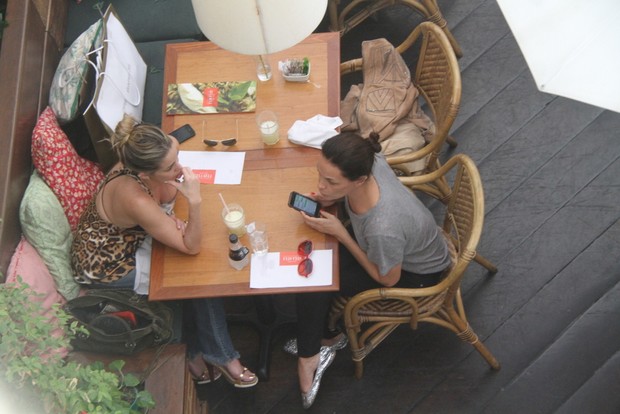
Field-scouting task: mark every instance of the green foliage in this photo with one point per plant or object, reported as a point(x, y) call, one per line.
point(31, 359)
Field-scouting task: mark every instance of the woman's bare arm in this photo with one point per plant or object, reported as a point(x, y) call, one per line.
point(330, 224)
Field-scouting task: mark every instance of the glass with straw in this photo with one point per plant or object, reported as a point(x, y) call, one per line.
point(233, 217)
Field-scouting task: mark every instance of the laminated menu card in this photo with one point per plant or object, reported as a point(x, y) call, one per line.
point(211, 97)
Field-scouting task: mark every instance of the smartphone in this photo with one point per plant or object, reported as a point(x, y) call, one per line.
point(306, 204)
point(183, 133)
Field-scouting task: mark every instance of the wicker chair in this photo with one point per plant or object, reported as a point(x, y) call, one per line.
point(438, 79)
point(342, 22)
point(370, 316)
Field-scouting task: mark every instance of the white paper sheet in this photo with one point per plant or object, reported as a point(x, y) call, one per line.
point(266, 272)
point(214, 167)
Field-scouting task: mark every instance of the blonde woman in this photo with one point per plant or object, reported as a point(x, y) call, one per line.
point(134, 202)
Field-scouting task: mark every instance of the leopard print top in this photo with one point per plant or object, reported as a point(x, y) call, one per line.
point(102, 251)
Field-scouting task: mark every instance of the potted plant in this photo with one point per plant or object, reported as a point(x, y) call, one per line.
point(35, 376)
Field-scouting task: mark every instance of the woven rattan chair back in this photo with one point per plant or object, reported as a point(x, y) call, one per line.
point(438, 79)
point(356, 11)
point(370, 316)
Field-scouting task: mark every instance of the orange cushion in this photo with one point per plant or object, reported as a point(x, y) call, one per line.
point(72, 178)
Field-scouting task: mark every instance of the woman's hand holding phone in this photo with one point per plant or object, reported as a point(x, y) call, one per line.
point(304, 204)
point(327, 223)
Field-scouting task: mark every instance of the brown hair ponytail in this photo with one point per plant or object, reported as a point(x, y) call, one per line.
point(352, 154)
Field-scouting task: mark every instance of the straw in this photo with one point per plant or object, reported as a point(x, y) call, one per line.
point(224, 203)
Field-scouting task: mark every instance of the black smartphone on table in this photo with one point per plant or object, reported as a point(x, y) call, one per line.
point(302, 203)
point(183, 133)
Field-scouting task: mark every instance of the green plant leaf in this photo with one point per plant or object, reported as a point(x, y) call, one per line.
point(29, 360)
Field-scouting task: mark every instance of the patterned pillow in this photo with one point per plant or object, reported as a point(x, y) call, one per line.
point(45, 226)
point(73, 179)
point(67, 85)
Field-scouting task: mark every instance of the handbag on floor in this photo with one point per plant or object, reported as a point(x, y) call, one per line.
point(119, 321)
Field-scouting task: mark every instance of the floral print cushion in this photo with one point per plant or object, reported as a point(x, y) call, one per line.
point(71, 72)
point(73, 179)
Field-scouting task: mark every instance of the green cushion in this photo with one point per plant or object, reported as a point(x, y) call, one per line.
point(46, 228)
point(145, 20)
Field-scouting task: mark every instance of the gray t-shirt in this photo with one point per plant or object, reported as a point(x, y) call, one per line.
point(399, 229)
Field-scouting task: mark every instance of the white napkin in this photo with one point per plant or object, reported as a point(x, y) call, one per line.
point(314, 131)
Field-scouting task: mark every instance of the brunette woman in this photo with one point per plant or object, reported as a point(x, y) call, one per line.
point(393, 241)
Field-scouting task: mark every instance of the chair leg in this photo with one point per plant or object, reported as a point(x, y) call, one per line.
point(332, 11)
point(336, 312)
point(481, 348)
point(485, 263)
point(359, 369)
point(467, 334)
point(451, 141)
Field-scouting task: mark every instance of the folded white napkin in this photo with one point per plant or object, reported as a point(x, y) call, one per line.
point(314, 131)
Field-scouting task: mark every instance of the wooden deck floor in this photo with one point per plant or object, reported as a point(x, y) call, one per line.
point(550, 168)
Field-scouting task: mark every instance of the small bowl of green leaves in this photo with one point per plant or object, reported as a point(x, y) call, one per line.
point(295, 70)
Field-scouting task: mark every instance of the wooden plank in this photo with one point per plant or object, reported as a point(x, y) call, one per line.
point(530, 147)
point(21, 67)
point(525, 309)
point(594, 395)
point(487, 76)
point(499, 119)
point(539, 197)
point(571, 360)
point(465, 18)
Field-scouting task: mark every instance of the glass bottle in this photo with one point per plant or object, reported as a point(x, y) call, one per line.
point(238, 254)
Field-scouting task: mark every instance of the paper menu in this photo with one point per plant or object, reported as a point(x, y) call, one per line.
point(266, 271)
point(214, 167)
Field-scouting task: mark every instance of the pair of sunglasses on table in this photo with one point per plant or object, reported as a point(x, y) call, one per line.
point(304, 268)
point(229, 142)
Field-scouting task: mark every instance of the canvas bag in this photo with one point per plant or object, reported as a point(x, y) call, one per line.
point(119, 321)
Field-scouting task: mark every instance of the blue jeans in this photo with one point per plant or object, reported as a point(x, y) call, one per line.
point(126, 282)
point(207, 331)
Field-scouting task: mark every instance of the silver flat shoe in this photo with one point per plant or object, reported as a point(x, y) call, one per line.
point(326, 357)
point(290, 346)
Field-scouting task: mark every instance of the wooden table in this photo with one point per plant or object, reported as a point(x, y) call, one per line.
point(270, 172)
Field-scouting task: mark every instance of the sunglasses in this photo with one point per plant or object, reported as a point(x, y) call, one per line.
point(304, 268)
point(229, 142)
point(226, 142)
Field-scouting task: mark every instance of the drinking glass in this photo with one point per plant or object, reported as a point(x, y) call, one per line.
point(268, 126)
point(234, 218)
point(258, 238)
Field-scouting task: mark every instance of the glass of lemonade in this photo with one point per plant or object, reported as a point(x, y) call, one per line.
point(268, 126)
point(234, 218)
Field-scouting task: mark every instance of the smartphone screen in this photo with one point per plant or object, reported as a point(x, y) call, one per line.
point(183, 133)
point(305, 204)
